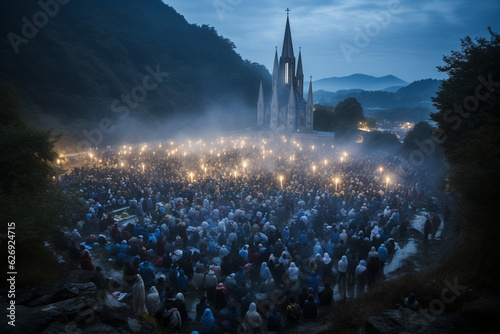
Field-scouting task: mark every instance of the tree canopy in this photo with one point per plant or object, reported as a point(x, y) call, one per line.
point(28, 195)
point(468, 120)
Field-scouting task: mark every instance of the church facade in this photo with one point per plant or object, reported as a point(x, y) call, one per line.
point(285, 110)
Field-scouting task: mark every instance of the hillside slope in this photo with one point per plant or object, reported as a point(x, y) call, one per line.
point(91, 61)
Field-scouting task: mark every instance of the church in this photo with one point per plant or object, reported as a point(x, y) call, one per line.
point(285, 110)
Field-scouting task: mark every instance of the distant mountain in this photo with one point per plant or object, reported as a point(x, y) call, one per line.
point(137, 63)
point(416, 95)
point(358, 81)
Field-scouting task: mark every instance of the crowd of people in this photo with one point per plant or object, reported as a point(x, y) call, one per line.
point(265, 233)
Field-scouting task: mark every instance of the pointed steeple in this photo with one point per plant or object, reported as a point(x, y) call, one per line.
point(276, 68)
point(287, 51)
point(299, 79)
point(260, 107)
point(310, 108)
point(287, 59)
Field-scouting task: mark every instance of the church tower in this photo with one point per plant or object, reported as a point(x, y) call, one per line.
point(299, 79)
point(287, 59)
point(285, 109)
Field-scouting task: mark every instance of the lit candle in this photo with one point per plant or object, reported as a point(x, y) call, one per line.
point(386, 184)
point(143, 168)
point(326, 162)
point(336, 183)
point(191, 177)
point(244, 166)
point(381, 170)
point(281, 181)
point(314, 169)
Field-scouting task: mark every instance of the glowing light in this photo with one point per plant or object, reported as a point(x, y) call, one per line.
point(336, 183)
point(191, 174)
point(143, 167)
point(326, 162)
point(314, 169)
point(386, 183)
point(58, 161)
point(380, 169)
point(121, 164)
point(281, 181)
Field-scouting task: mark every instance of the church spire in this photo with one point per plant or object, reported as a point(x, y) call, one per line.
point(299, 80)
point(309, 108)
point(287, 59)
point(276, 68)
point(287, 51)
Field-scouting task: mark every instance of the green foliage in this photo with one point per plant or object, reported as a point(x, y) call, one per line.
point(92, 52)
point(347, 116)
point(29, 197)
point(377, 140)
point(468, 120)
point(421, 132)
point(323, 118)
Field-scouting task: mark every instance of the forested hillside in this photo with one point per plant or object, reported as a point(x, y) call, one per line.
point(74, 64)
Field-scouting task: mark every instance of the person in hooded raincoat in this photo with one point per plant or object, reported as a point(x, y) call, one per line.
point(342, 267)
point(313, 281)
point(293, 274)
point(252, 320)
point(180, 304)
point(208, 323)
point(182, 281)
point(153, 303)
point(361, 275)
point(139, 296)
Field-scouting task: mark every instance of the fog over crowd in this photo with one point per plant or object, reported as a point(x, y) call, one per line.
point(251, 233)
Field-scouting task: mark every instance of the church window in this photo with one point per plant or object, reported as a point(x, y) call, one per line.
point(286, 73)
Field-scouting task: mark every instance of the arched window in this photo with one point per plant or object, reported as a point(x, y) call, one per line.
point(286, 73)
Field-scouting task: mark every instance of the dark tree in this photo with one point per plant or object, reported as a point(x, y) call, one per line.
point(30, 199)
point(468, 120)
point(347, 116)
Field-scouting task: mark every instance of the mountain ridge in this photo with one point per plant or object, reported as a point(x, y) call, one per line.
point(358, 81)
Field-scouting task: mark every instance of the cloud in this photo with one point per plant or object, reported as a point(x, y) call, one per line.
point(410, 47)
